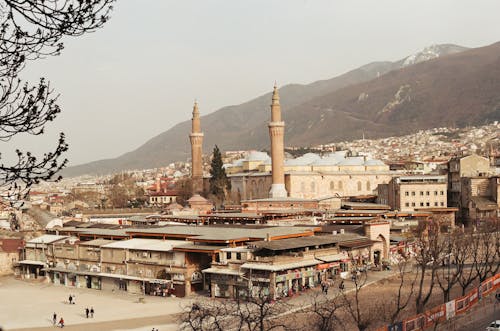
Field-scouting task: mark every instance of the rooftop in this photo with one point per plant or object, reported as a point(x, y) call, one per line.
point(147, 244)
point(286, 244)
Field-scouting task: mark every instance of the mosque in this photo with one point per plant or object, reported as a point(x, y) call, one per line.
point(261, 182)
point(311, 176)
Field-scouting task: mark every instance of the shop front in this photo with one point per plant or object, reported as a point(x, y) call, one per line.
point(158, 287)
point(290, 282)
point(32, 269)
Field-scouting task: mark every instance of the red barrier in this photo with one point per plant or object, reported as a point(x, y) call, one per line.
point(496, 281)
point(457, 306)
point(435, 315)
point(414, 323)
point(462, 304)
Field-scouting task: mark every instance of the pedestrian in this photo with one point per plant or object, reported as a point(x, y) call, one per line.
point(341, 285)
point(70, 299)
point(87, 311)
point(61, 323)
point(54, 319)
point(92, 312)
point(73, 298)
point(326, 289)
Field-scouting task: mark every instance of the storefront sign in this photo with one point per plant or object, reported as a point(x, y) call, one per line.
point(178, 277)
point(328, 265)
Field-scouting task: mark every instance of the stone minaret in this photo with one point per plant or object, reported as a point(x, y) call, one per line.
point(276, 132)
point(196, 138)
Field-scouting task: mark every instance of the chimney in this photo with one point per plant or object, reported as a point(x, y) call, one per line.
point(334, 233)
point(268, 237)
point(342, 231)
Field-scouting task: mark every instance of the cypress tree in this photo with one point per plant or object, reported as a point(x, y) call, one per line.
point(219, 182)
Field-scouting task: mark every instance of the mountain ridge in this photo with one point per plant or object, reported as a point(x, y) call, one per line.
point(244, 126)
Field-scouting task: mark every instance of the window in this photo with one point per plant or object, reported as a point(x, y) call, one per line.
point(368, 186)
point(413, 193)
point(340, 185)
point(407, 193)
point(427, 193)
point(421, 204)
point(427, 204)
point(421, 192)
point(413, 204)
point(435, 204)
point(360, 186)
point(442, 204)
point(442, 192)
point(228, 255)
point(435, 192)
point(407, 204)
point(332, 186)
point(238, 256)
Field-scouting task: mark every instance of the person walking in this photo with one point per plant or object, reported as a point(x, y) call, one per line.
point(61, 323)
point(54, 319)
point(92, 312)
point(87, 311)
point(341, 285)
point(70, 299)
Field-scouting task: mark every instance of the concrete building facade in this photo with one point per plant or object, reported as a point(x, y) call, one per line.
point(407, 193)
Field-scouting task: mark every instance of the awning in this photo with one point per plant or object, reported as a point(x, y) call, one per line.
point(104, 274)
point(222, 271)
point(32, 262)
point(332, 257)
point(280, 267)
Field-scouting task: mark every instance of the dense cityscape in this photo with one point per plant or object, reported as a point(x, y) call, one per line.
point(311, 230)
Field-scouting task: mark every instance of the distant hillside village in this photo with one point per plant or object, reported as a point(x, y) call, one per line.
point(281, 225)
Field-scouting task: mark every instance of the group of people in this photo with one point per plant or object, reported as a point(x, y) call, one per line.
point(60, 323)
point(89, 312)
point(71, 300)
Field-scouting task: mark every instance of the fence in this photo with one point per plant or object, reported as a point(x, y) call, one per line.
point(448, 310)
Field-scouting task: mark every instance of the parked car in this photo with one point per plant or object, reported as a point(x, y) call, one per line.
point(494, 326)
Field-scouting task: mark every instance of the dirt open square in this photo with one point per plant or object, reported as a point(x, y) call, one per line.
point(30, 306)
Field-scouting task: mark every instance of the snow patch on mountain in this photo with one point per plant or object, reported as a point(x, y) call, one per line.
point(431, 52)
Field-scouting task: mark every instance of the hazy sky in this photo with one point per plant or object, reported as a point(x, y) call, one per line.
point(139, 75)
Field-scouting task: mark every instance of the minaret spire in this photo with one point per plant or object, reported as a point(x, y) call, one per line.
point(276, 133)
point(196, 139)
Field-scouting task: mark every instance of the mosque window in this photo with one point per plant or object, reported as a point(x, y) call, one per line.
point(368, 186)
point(360, 186)
point(340, 186)
point(332, 186)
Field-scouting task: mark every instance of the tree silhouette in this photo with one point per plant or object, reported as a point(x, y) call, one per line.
point(29, 30)
point(219, 182)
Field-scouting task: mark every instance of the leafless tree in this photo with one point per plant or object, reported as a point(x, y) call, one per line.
point(430, 249)
point(257, 313)
point(29, 30)
point(260, 313)
point(362, 317)
point(325, 314)
point(463, 260)
point(406, 288)
point(207, 316)
point(456, 253)
point(486, 250)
